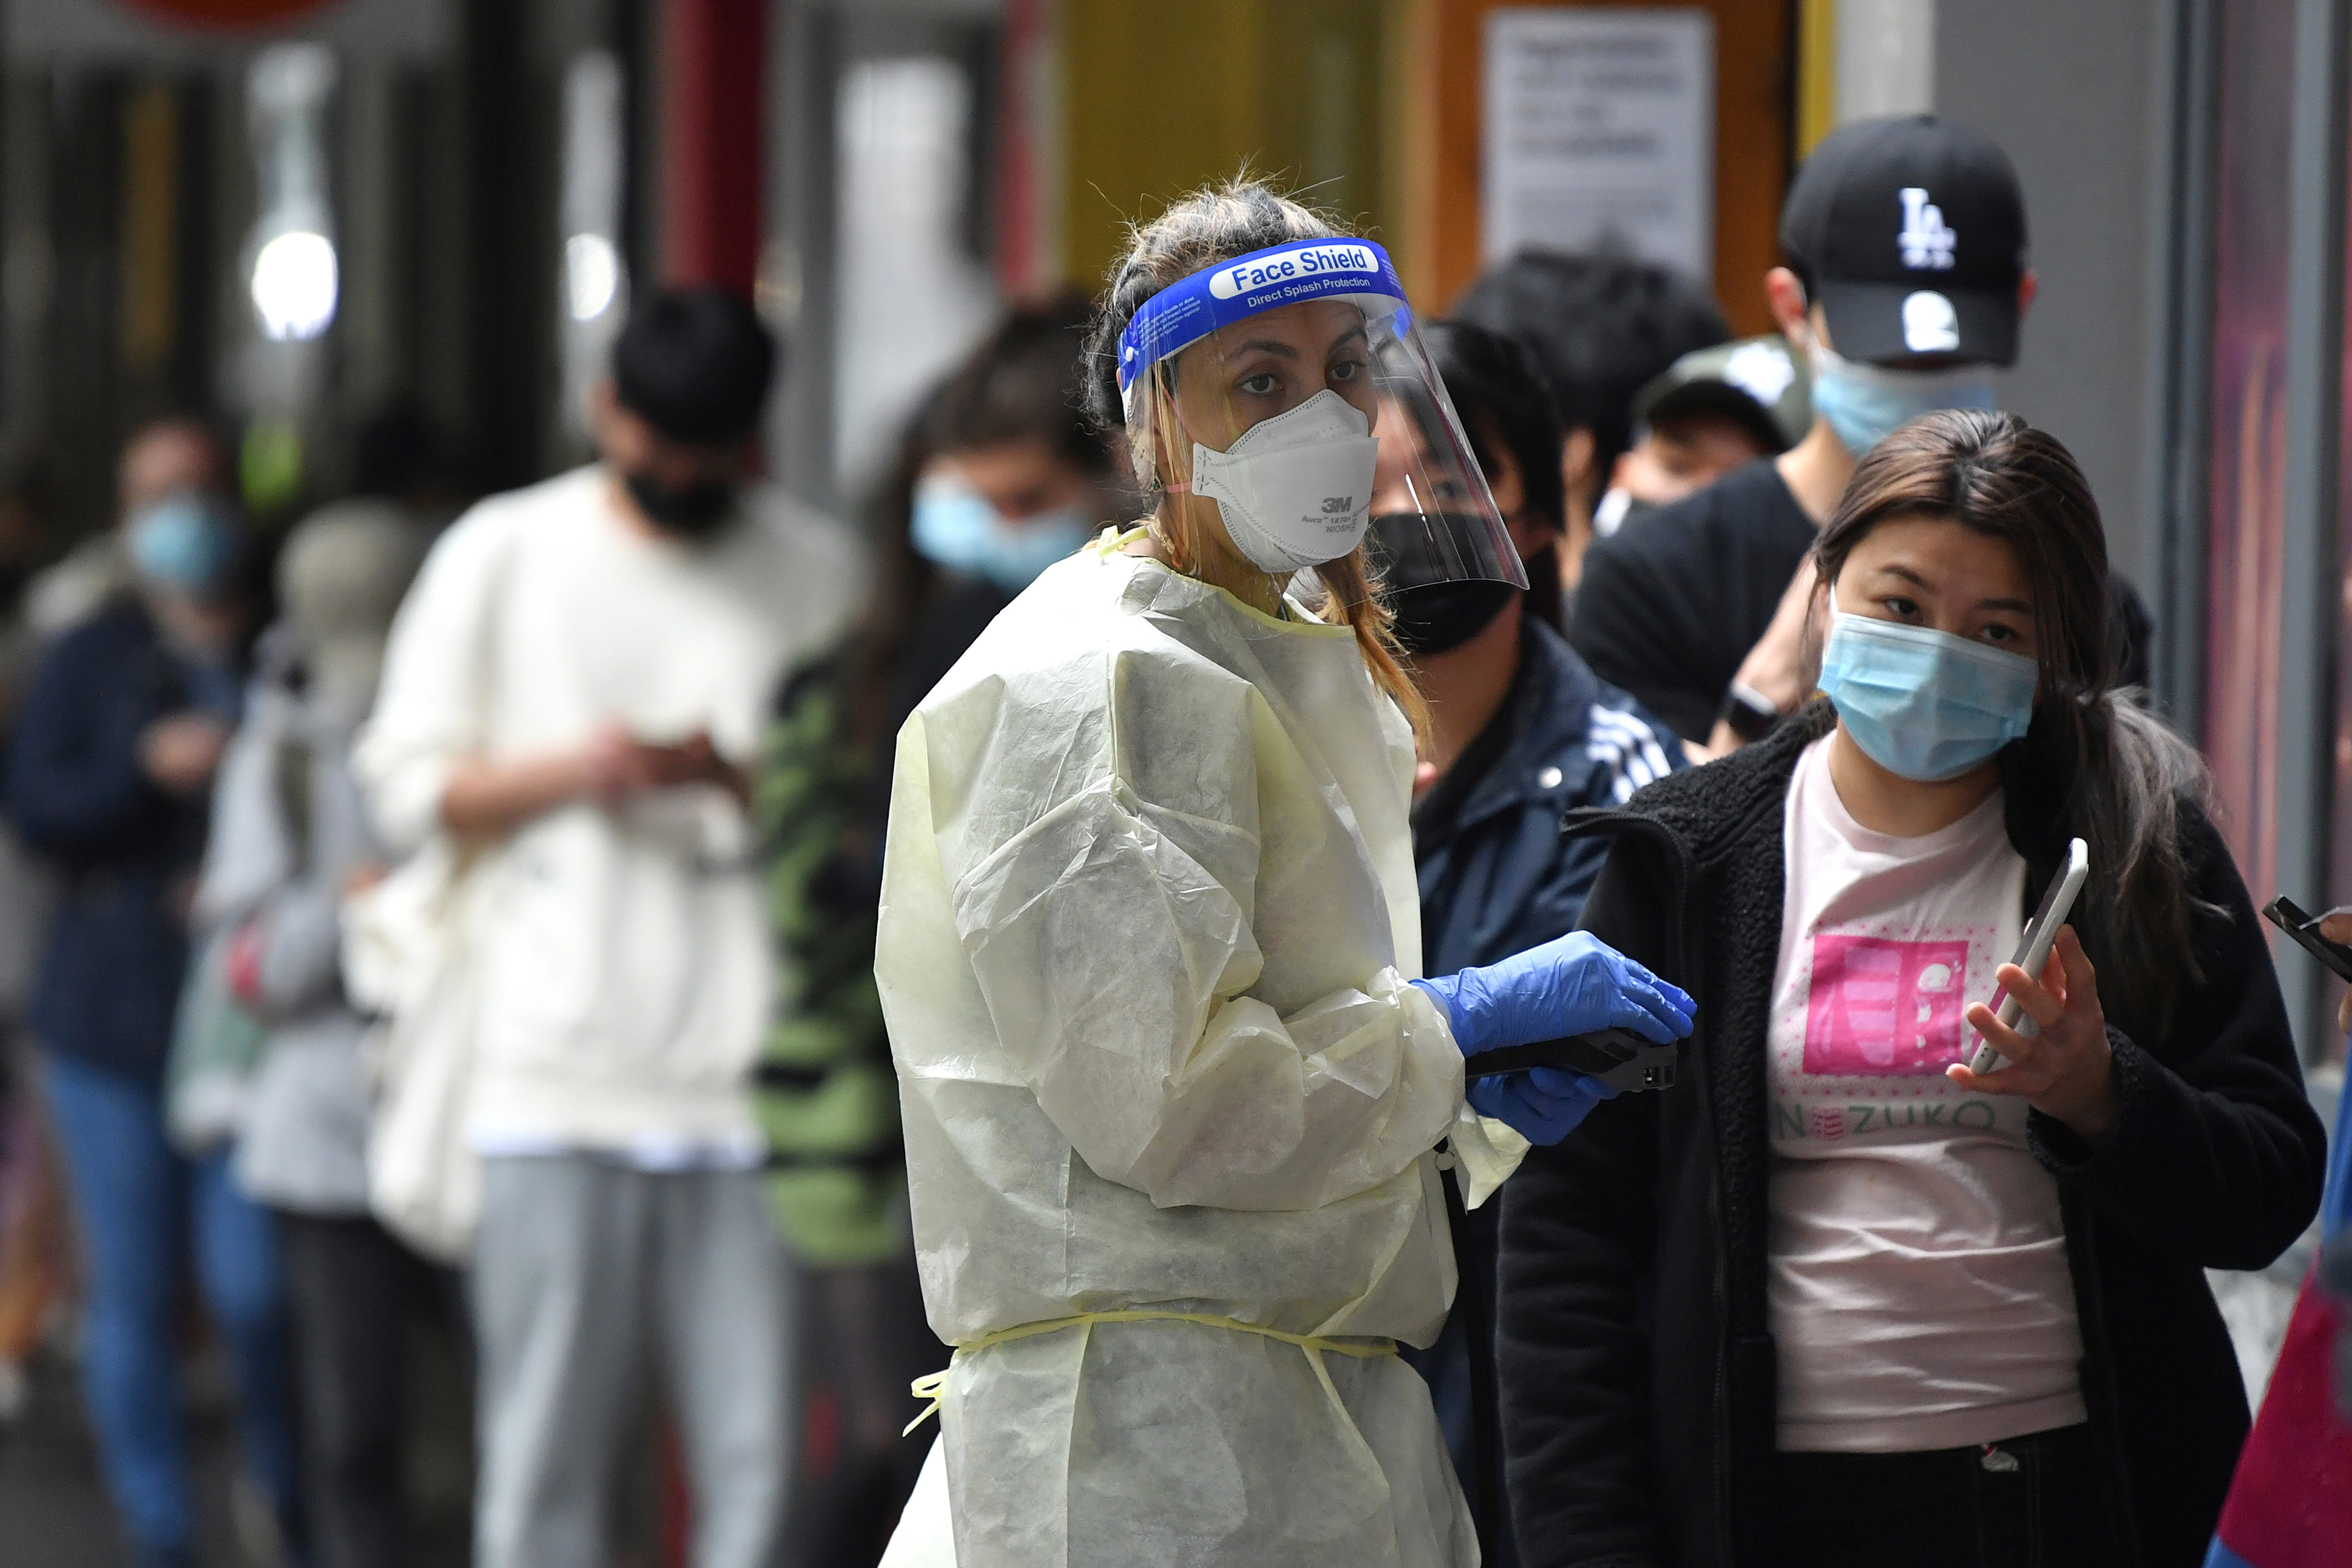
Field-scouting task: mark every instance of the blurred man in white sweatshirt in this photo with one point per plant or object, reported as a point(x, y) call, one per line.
point(577, 684)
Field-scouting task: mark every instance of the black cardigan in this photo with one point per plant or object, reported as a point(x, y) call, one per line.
point(1635, 1356)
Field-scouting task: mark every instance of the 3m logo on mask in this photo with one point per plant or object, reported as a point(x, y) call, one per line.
point(1927, 241)
point(1339, 506)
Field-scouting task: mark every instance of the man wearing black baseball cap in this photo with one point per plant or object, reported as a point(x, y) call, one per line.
point(1911, 315)
point(1904, 285)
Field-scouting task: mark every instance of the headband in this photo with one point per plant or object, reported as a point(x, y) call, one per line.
point(1191, 308)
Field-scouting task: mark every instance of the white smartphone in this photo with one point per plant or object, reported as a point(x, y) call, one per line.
point(2033, 946)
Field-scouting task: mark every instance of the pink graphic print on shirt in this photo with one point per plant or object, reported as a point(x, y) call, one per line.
point(1880, 1008)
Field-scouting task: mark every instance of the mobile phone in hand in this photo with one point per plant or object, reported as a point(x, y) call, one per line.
point(2033, 946)
point(2285, 914)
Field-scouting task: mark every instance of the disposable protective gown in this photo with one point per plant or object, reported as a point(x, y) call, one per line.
point(1147, 919)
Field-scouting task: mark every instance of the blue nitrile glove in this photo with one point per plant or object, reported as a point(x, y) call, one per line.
point(1542, 1105)
point(1572, 984)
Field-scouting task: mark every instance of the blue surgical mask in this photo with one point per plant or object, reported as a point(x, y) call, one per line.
point(1865, 403)
point(956, 528)
point(185, 544)
point(1925, 704)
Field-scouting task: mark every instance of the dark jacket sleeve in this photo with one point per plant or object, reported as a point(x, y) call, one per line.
point(2217, 1154)
point(1578, 1229)
point(75, 786)
point(1634, 622)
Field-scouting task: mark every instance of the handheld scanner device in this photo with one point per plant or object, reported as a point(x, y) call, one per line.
point(1618, 1058)
point(2284, 914)
point(2033, 946)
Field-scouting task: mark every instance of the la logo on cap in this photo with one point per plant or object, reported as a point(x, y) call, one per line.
point(1927, 241)
point(1930, 325)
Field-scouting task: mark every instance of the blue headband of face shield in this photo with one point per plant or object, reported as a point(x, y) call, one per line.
point(1190, 309)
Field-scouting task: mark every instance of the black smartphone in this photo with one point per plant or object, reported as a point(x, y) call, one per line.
point(1618, 1058)
point(2285, 914)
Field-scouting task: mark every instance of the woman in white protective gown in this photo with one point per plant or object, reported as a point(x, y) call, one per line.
point(1172, 1088)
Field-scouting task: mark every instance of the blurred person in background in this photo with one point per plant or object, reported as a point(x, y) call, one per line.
point(1600, 326)
point(289, 836)
point(35, 1260)
point(1520, 732)
point(1905, 288)
point(399, 455)
point(163, 458)
point(575, 688)
point(113, 761)
point(1001, 474)
point(1707, 414)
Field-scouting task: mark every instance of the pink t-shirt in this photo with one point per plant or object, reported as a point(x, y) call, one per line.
point(1918, 1278)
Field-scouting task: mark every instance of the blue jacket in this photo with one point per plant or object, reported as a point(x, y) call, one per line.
point(1496, 876)
point(127, 852)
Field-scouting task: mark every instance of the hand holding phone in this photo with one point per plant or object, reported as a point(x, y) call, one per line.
point(2033, 946)
point(2311, 933)
point(2285, 914)
point(2047, 1043)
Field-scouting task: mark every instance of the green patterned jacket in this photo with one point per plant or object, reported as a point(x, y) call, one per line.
point(828, 1096)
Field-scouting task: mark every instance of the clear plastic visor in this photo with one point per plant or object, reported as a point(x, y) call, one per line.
point(1427, 516)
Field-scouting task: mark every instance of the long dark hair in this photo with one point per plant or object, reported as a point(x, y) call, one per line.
point(2120, 780)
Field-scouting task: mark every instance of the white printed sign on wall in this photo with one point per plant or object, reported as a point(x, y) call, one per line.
point(1600, 131)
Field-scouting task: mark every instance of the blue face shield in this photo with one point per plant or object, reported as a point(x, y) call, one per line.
point(1865, 403)
point(956, 528)
point(1923, 704)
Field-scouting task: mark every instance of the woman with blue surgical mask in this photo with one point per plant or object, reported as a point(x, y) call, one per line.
point(187, 552)
point(1895, 1311)
point(960, 526)
point(1171, 1082)
point(1017, 477)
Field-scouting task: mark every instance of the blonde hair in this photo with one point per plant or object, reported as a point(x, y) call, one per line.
point(1217, 224)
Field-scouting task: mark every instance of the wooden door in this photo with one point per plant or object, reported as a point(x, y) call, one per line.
point(1443, 55)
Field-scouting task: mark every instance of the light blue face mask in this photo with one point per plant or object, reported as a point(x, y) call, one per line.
point(1925, 704)
point(185, 543)
point(956, 528)
point(1865, 403)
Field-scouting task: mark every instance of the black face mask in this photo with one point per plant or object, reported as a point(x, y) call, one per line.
point(691, 512)
point(1442, 616)
point(1431, 610)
